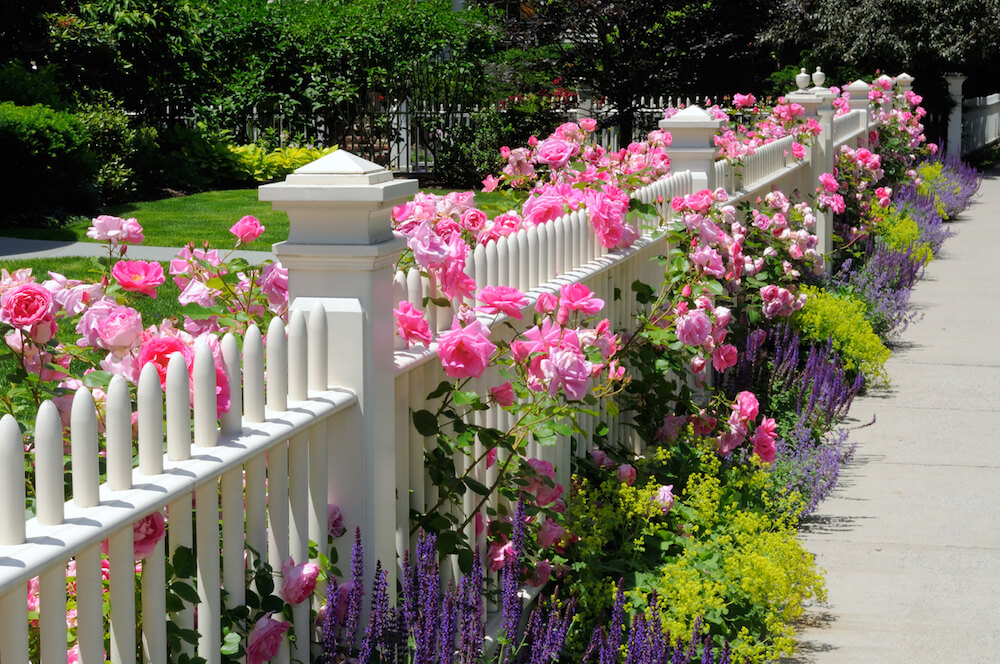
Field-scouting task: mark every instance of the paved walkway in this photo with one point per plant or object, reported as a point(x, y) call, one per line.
point(910, 539)
point(12, 248)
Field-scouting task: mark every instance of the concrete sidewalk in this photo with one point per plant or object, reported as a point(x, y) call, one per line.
point(910, 539)
point(12, 249)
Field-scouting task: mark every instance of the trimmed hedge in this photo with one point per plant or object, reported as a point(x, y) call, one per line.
point(47, 168)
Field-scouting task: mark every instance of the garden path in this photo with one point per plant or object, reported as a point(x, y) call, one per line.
point(12, 248)
point(910, 539)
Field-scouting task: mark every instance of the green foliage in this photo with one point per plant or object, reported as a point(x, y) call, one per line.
point(900, 231)
point(841, 316)
point(27, 88)
point(726, 551)
point(257, 163)
point(195, 159)
point(47, 167)
point(471, 152)
point(119, 146)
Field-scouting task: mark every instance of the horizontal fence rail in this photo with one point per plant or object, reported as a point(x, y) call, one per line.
point(254, 473)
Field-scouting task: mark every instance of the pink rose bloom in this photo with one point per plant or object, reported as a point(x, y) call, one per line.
point(265, 639)
point(743, 101)
point(300, 580)
point(542, 467)
point(473, 220)
point(626, 473)
point(411, 325)
point(763, 440)
point(556, 152)
point(539, 209)
point(543, 570)
point(664, 498)
point(693, 328)
point(600, 457)
point(724, 357)
point(24, 305)
point(829, 182)
point(502, 300)
point(115, 230)
point(247, 229)
point(44, 330)
point(577, 297)
point(503, 394)
point(546, 494)
point(334, 521)
point(465, 351)
point(550, 533)
point(146, 533)
point(490, 184)
point(498, 554)
point(120, 328)
point(546, 303)
point(703, 424)
point(158, 349)
point(429, 249)
point(197, 292)
point(728, 442)
point(139, 276)
point(569, 369)
point(798, 151)
point(588, 124)
point(274, 284)
point(747, 406)
point(671, 428)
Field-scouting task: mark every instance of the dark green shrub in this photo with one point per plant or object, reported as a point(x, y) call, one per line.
point(471, 152)
point(193, 159)
point(117, 142)
point(47, 168)
point(26, 88)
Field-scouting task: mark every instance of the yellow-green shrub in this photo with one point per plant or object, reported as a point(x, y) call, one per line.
point(262, 165)
point(900, 231)
point(841, 316)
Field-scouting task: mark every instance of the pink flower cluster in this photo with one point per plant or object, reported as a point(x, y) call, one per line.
point(556, 356)
point(745, 411)
point(780, 301)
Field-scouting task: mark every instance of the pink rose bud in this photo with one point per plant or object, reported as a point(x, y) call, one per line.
point(626, 473)
point(300, 580)
point(247, 229)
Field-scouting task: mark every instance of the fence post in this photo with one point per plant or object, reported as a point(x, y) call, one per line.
point(692, 147)
point(818, 104)
point(341, 250)
point(954, 142)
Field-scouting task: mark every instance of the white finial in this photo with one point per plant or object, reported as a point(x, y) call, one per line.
point(818, 78)
point(802, 79)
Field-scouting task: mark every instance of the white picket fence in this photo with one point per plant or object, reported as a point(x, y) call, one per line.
point(267, 469)
point(263, 476)
point(980, 123)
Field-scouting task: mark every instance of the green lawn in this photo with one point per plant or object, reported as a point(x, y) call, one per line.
point(172, 222)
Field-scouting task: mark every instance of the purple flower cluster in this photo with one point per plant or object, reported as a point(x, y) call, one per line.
point(923, 210)
point(961, 183)
point(647, 642)
point(429, 626)
point(813, 468)
point(884, 281)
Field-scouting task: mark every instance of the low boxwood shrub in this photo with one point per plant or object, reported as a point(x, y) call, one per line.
point(841, 317)
point(47, 168)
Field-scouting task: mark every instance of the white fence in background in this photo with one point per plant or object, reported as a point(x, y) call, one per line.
point(980, 123)
point(332, 423)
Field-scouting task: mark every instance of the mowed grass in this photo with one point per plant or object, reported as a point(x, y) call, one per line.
point(173, 222)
